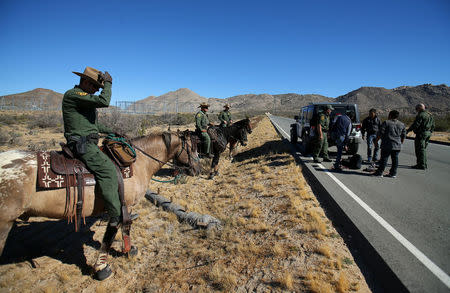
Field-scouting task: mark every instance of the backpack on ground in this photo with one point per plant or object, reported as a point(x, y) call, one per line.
point(354, 162)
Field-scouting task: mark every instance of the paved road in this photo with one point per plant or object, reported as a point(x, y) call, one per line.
point(406, 219)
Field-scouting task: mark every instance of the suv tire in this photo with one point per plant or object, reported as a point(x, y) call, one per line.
point(294, 137)
point(305, 144)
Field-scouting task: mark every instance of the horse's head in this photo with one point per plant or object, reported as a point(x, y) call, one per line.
point(187, 155)
point(244, 127)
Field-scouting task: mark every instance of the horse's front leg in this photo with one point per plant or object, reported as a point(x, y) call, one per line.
point(232, 147)
point(214, 166)
point(101, 267)
point(5, 227)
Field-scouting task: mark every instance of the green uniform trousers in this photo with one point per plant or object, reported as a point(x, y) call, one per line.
point(105, 176)
point(420, 145)
point(321, 147)
point(206, 142)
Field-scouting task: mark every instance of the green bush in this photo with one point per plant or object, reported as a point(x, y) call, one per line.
point(442, 123)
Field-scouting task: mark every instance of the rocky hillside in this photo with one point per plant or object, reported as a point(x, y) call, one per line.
point(33, 100)
point(435, 97)
point(186, 100)
point(404, 99)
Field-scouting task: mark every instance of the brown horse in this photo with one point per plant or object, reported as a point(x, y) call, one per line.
point(18, 174)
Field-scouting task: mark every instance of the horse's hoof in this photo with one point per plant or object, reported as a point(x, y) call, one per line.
point(103, 274)
point(133, 251)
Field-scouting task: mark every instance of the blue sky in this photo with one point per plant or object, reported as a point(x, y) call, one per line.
point(225, 48)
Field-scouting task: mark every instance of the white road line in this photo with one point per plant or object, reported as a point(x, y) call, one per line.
point(437, 271)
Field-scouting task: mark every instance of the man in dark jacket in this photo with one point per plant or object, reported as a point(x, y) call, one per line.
point(342, 127)
point(371, 125)
point(392, 134)
point(422, 126)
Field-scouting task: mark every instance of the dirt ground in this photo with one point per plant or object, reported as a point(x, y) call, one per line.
point(274, 237)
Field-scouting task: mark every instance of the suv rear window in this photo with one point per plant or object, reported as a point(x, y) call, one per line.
point(342, 110)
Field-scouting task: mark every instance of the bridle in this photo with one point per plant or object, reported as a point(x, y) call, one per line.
point(175, 166)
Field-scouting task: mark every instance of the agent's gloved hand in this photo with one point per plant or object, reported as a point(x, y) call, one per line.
point(106, 77)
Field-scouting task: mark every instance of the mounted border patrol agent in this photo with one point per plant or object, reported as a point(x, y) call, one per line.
point(321, 143)
point(201, 127)
point(81, 129)
point(225, 116)
point(423, 127)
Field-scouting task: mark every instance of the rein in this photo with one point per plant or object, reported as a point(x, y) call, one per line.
point(183, 141)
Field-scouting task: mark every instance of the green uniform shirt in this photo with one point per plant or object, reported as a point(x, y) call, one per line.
point(324, 121)
point(225, 116)
point(201, 120)
point(424, 122)
point(80, 111)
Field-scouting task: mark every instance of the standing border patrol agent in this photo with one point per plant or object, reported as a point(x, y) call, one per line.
point(201, 126)
point(321, 143)
point(225, 116)
point(81, 128)
point(422, 126)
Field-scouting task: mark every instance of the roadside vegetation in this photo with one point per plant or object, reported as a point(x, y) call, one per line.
point(274, 236)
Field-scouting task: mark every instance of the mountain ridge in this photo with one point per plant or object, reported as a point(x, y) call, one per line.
point(403, 98)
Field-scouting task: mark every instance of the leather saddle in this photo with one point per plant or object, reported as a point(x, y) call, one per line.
point(65, 163)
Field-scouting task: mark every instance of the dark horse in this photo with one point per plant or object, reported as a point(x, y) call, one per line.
point(222, 136)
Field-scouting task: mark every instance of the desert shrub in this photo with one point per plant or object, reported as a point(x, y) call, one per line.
point(442, 123)
point(15, 138)
point(11, 118)
point(47, 120)
point(4, 137)
point(123, 123)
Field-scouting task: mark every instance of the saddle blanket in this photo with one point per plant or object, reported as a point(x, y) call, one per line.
point(49, 179)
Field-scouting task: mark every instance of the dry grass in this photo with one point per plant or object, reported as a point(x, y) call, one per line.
point(274, 236)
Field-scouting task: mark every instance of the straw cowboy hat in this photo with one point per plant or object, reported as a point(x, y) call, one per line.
point(204, 105)
point(227, 106)
point(93, 75)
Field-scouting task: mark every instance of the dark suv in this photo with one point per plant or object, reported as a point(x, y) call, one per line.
point(301, 128)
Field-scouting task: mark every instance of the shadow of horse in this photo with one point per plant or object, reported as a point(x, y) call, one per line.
point(55, 239)
point(269, 148)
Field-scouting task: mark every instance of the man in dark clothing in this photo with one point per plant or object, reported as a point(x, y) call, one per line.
point(422, 126)
point(392, 134)
point(371, 125)
point(342, 127)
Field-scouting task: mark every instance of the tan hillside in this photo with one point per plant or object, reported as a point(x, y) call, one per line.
point(404, 99)
point(33, 100)
point(436, 97)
